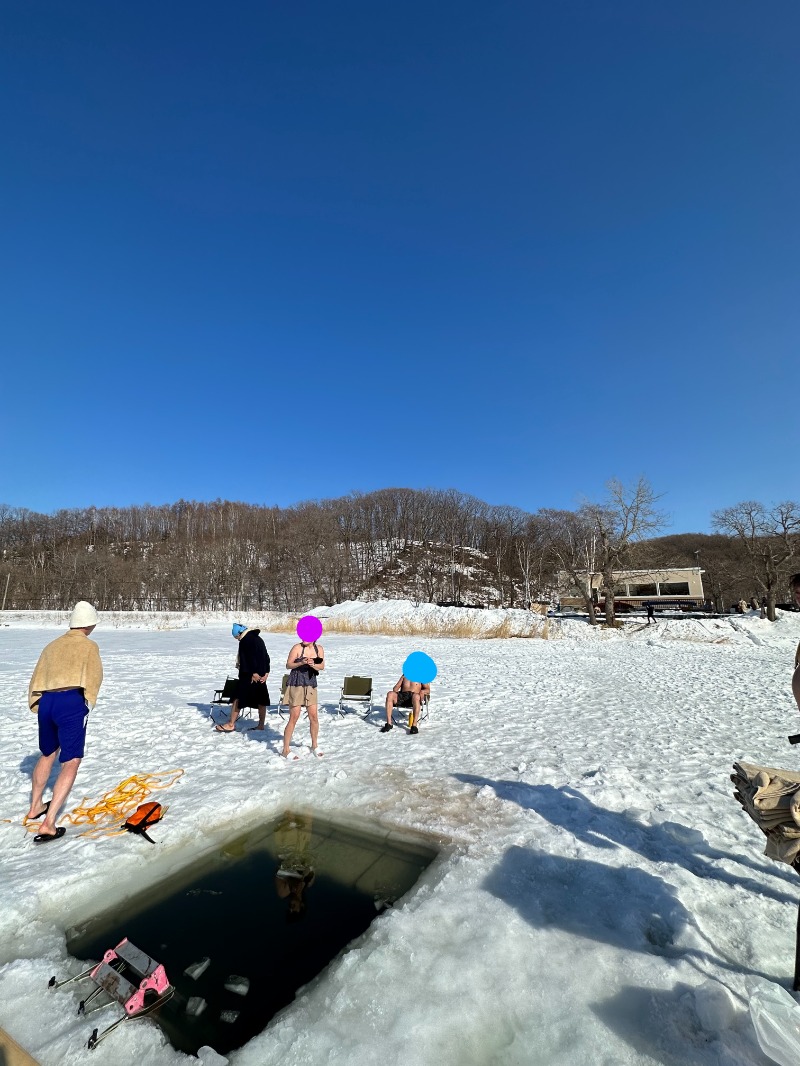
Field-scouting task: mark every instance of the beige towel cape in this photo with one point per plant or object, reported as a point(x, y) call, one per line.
point(772, 799)
point(70, 661)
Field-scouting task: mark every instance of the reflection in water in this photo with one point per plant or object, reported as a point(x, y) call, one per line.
point(295, 874)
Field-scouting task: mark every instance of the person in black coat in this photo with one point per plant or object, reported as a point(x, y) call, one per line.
point(253, 664)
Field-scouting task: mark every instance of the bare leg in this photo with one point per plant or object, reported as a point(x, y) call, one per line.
point(313, 725)
point(61, 789)
point(41, 773)
point(391, 703)
point(234, 713)
point(294, 714)
point(413, 718)
point(230, 725)
point(796, 686)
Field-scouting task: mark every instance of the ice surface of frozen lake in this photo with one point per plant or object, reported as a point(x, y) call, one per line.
point(605, 902)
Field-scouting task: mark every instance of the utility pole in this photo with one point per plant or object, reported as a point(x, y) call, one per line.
point(5, 593)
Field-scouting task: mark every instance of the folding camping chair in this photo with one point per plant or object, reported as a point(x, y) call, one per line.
point(226, 694)
point(358, 690)
point(424, 708)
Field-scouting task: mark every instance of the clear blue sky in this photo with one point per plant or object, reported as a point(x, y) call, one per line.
point(273, 252)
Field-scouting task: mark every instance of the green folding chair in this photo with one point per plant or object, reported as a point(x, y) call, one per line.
point(356, 690)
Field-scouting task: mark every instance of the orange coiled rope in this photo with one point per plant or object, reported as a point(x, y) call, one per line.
point(104, 817)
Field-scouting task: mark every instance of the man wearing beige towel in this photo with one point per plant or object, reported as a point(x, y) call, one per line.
point(62, 692)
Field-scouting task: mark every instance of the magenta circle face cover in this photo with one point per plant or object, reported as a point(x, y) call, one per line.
point(309, 628)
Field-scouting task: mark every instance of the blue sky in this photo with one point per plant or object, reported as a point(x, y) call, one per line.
point(274, 252)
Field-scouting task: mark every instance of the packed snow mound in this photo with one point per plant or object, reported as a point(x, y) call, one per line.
point(428, 618)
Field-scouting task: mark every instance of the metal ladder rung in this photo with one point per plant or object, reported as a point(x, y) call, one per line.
point(112, 982)
point(143, 964)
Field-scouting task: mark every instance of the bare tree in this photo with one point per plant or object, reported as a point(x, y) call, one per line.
point(770, 536)
point(573, 544)
point(598, 538)
point(626, 516)
point(529, 535)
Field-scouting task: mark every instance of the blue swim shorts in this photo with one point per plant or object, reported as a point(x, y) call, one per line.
point(62, 723)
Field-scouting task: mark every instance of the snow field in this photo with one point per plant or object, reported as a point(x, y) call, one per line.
point(600, 896)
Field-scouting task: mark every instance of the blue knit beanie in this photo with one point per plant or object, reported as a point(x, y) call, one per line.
point(237, 629)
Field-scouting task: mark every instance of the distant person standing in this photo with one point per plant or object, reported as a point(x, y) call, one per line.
point(63, 690)
point(301, 691)
point(651, 613)
point(253, 665)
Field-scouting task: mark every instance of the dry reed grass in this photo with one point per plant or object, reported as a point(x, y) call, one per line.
point(457, 628)
point(472, 627)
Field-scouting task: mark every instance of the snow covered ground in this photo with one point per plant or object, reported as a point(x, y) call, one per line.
point(600, 898)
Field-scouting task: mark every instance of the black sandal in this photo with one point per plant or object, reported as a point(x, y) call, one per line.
point(45, 838)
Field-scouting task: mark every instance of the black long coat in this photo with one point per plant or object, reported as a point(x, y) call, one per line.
point(253, 659)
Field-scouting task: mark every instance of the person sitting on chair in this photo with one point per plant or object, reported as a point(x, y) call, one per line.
point(408, 694)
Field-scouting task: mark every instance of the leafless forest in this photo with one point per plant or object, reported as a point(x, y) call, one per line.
point(427, 545)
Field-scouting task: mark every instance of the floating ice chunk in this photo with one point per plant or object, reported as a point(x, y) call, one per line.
point(195, 1006)
point(239, 985)
point(229, 1016)
point(776, 1020)
point(209, 1057)
point(197, 969)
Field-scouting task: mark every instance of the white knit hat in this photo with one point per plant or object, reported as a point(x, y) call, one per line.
point(83, 614)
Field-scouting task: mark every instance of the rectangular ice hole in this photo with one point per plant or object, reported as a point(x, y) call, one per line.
point(275, 906)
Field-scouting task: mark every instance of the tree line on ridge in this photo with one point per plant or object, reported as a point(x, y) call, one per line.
point(427, 545)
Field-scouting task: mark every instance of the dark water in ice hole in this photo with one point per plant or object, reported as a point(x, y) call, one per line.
point(234, 908)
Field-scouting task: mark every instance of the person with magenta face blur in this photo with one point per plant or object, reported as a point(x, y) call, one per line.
point(306, 661)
